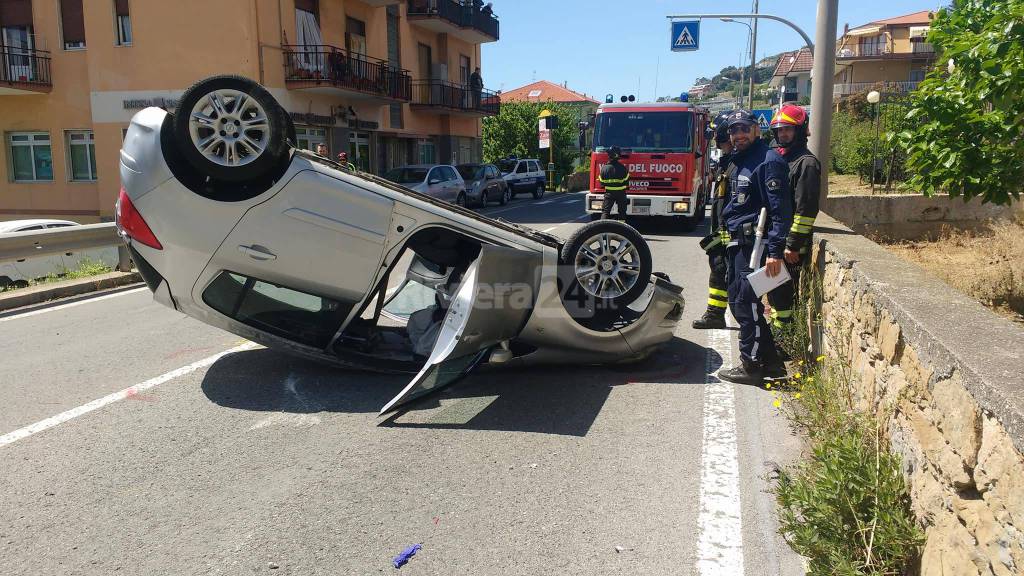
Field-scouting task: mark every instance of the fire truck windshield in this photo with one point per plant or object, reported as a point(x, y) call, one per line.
point(645, 131)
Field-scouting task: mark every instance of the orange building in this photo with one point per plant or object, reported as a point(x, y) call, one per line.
point(387, 80)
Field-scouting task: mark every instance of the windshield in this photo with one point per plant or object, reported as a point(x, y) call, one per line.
point(506, 166)
point(470, 171)
point(406, 175)
point(645, 131)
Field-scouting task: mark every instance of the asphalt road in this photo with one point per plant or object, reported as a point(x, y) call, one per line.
point(260, 463)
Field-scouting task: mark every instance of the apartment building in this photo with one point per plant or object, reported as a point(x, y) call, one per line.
point(893, 52)
point(386, 80)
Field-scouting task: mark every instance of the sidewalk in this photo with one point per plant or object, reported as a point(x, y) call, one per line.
point(52, 291)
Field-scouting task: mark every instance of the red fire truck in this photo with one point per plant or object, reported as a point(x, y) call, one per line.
point(665, 148)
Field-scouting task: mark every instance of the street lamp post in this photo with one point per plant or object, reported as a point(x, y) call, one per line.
point(753, 44)
point(873, 98)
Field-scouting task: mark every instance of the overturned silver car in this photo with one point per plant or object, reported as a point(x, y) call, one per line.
point(232, 225)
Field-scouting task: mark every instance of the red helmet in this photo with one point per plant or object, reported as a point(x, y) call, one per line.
point(789, 115)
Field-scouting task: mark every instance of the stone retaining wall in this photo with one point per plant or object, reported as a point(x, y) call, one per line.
point(945, 377)
point(913, 216)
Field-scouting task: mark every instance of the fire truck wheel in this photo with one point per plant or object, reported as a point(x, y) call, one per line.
point(610, 264)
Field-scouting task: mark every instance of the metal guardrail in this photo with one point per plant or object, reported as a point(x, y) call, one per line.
point(15, 246)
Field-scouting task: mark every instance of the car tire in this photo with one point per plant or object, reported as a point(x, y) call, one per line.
point(484, 199)
point(608, 264)
point(538, 192)
point(231, 129)
point(460, 200)
point(504, 197)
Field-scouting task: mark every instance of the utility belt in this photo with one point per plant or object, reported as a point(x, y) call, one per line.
point(745, 235)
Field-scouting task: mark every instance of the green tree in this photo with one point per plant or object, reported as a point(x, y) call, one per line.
point(966, 123)
point(514, 132)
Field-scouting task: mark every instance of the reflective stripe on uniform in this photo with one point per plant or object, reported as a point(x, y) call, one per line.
point(717, 303)
point(800, 229)
point(805, 220)
point(717, 292)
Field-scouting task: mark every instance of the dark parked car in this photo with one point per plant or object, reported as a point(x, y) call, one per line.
point(484, 184)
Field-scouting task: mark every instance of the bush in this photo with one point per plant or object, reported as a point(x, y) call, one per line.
point(852, 141)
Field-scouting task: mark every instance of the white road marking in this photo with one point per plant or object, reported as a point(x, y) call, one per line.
point(71, 305)
point(585, 216)
point(720, 525)
point(63, 417)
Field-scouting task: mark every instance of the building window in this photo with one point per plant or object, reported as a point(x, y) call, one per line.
point(872, 46)
point(72, 24)
point(122, 24)
point(427, 155)
point(31, 157)
point(308, 137)
point(81, 150)
point(464, 70)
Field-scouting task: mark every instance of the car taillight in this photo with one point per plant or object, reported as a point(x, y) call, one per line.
point(131, 222)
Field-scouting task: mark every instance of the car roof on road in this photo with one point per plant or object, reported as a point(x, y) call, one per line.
point(12, 225)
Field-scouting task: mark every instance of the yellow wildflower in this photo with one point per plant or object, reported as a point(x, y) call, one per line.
point(797, 395)
point(777, 403)
point(819, 359)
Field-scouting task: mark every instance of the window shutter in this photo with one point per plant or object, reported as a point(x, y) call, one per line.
point(72, 22)
point(121, 7)
point(16, 13)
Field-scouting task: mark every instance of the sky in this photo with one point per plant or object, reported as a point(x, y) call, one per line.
point(623, 47)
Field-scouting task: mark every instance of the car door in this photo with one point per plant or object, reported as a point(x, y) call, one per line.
point(491, 305)
point(436, 183)
point(456, 185)
point(318, 236)
point(522, 175)
point(537, 175)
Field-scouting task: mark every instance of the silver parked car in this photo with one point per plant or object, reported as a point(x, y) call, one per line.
point(231, 224)
point(440, 181)
point(484, 185)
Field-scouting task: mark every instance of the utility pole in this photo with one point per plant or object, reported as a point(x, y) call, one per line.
point(739, 99)
point(753, 59)
point(821, 89)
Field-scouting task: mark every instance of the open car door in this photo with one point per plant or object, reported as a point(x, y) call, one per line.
point(491, 305)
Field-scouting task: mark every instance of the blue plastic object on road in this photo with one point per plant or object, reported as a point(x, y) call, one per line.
point(406, 554)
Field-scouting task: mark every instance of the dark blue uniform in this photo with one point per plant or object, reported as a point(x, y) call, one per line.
point(760, 179)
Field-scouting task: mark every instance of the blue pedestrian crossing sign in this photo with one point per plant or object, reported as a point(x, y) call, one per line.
point(685, 35)
point(764, 117)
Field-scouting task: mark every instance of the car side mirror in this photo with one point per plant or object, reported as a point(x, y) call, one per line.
point(433, 181)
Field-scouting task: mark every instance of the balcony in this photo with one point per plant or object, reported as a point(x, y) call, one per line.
point(332, 70)
point(840, 90)
point(883, 52)
point(448, 98)
point(459, 18)
point(24, 71)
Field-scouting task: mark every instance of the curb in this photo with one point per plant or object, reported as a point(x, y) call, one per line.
point(37, 294)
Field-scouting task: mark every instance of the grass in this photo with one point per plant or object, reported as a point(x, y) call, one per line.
point(86, 268)
point(845, 506)
point(987, 265)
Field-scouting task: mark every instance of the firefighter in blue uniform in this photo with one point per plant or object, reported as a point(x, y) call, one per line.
point(760, 179)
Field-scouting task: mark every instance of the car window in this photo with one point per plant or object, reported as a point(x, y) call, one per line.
point(534, 167)
point(291, 314)
point(492, 172)
point(406, 175)
point(58, 225)
point(468, 171)
point(522, 168)
point(435, 174)
point(506, 166)
point(450, 173)
point(30, 228)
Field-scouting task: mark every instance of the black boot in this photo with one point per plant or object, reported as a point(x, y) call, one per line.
point(746, 373)
point(712, 318)
point(775, 370)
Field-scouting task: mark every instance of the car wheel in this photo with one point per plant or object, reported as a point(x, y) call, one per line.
point(538, 192)
point(484, 199)
point(610, 261)
point(504, 197)
point(231, 129)
point(461, 199)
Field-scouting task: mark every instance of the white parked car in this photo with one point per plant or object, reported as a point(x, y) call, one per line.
point(19, 272)
point(524, 176)
point(440, 181)
point(231, 224)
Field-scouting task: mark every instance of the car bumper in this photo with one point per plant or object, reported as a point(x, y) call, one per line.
point(648, 205)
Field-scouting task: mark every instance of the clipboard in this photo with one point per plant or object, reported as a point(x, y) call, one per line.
point(762, 284)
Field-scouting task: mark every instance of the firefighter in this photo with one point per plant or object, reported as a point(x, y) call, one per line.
point(615, 179)
point(714, 243)
point(760, 179)
point(343, 160)
point(789, 126)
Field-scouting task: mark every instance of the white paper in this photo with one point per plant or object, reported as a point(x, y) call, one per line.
point(762, 284)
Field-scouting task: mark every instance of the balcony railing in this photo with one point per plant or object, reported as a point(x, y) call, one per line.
point(456, 97)
point(885, 87)
point(462, 13)
point(25, 67)
point(331, 66)
point(885, 51)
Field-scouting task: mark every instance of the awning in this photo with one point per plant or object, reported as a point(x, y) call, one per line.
point(918, 31)
point(864, 31)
